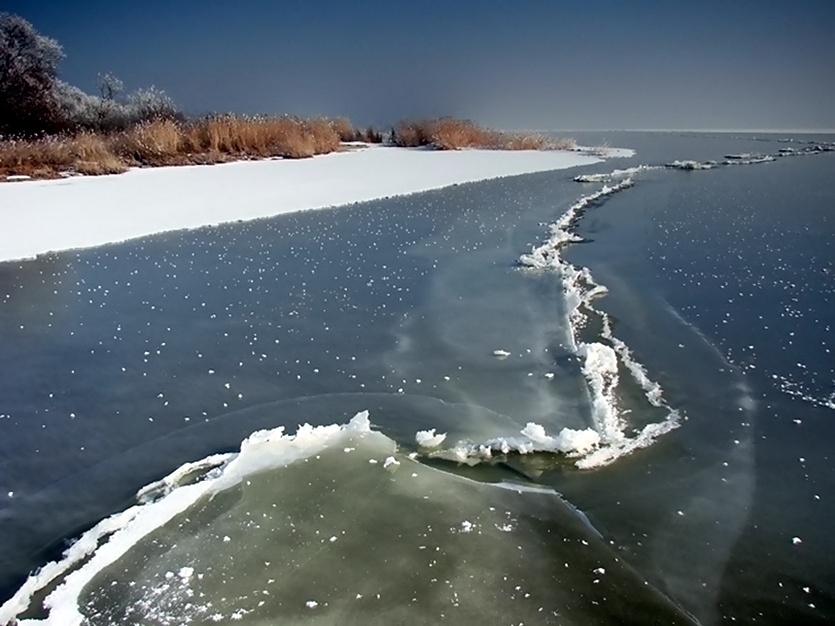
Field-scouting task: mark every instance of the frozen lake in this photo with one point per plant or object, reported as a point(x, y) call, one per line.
point(636, 429)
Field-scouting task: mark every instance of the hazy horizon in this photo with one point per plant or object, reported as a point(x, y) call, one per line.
point(745, 66)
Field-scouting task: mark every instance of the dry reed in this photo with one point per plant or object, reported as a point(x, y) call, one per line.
point(221, 138)
point(85, 153)
point(167, 142)
point(447, 133)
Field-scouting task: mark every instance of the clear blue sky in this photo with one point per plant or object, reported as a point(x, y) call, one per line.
point(570, 64)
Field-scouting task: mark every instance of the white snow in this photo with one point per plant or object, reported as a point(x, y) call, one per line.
point(428, 438)
point(391, 462)
point(81, 212)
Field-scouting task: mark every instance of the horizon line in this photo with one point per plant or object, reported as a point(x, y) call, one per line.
point(805, 131)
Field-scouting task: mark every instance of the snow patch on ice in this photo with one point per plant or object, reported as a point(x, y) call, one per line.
point(428, 438)
point(391, 462)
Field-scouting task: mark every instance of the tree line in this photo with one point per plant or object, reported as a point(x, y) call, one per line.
point(34, 101)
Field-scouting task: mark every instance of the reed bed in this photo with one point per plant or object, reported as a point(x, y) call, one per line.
point(221, 138)
point(447, 133)
point(212, 139)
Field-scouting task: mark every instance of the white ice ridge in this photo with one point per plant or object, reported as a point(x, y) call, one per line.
point(743, 159)
point(546, 256)
point(533, 438)
point(262, 450)
point(600, 360)
point(691, 165)
point(81, 212)
point(428, 438)
point(607, 176)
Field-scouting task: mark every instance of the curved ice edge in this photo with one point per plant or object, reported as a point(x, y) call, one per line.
point(262, 450)
point(534, 439)
point(607, 176)
point(205, 468)
point(599, 360)
point(547, 255)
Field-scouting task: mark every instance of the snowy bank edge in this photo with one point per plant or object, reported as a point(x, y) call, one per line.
point(39, 217)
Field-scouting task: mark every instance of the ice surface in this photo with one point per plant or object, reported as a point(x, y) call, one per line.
point(322, 535)
point(261, 451)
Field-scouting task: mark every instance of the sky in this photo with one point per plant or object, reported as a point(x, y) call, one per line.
point(556, 64)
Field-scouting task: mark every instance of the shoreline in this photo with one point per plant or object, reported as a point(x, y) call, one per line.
point(43, 216)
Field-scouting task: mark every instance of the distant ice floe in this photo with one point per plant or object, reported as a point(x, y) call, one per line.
point(747, 159)
point(607, 152)
point(691, 165)
point(607, 176)
point(797, 390)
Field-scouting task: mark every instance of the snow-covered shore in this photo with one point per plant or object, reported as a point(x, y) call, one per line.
point(80, 212)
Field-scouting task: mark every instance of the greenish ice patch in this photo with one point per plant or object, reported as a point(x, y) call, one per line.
point(356, 532)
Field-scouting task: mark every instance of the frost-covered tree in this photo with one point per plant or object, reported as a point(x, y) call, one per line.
point(151, 103)
point(110, 86)
point(74, 107)
point(33, 100)
point(28, 75)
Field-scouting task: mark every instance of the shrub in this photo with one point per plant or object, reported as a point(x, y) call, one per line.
point(150, 104)
point(343, 127)
point(93, 155)
point(85, 153)
point(410, 134)
point(150, 143)
point(325, 138)
point(258, 137)
point(447, 133)
point(370, 135)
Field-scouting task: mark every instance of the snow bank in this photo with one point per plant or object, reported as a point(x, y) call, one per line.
point(80, 212)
